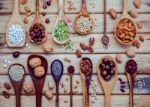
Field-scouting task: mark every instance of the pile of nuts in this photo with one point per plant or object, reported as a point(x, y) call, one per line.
point(125, 31)
point(107, 67)
point(37, 33)
point(85, 66)
point(36, 63)
point(83, 25)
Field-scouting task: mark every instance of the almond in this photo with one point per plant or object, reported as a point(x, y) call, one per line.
point(133, 13)
point(26, 20)
point(113, 13)
point(137, 3)
point(141, 37)
point(27, 9)
point(135, 43)
point(23, 2)
point(139, 25)
point(130, 53)
point(138, 45)
point(78, 53)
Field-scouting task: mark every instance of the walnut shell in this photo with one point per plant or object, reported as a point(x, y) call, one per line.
point(34, 62)
point(47, 47)
point(39, 71)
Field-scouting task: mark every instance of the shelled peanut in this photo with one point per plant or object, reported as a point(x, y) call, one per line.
point(126, 30)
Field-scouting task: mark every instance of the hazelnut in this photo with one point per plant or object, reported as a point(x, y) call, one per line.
point(34, 62)
point(39, 71)
point(28, 88)
point(48, 94)
point(47, 47)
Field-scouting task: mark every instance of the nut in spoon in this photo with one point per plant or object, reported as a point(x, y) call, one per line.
point(16, 75)
point(61, 19)
point(107, 79)
point(86, 69)
point(86, 25)
point(15, 34)
point(37, 32)
point(131, 72)
point(57, 71)
point(122, 37)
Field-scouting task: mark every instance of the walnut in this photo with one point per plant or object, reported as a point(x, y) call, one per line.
point(47, 47)
point(48, 94)
point(28, 88)
point(34, 62)
point(39, 71)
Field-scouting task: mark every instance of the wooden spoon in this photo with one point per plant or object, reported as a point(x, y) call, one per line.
point(57, 71)
point(84, 13)
point(60, 18)
point(17, 86)
point(86, 82)
point(16, 19)
point(105, 38)
point(70, 72)
point(38, 82)
point(38, 20)
point(125, 15)
point(107, 85)
point(131, 78)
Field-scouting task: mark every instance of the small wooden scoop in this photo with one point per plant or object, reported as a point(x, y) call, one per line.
point(107, 85)
point(131, 78)
point(86, 83)
point(124, 16)
point(57, 71)
point(60, 18)
point(83, 12)
point(16, 19)
point(38, 82)
point(38, 20)
point(17, 86)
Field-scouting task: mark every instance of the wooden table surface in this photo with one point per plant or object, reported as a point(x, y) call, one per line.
point(95, 7)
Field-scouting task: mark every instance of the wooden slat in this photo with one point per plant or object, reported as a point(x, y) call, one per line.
point(116, 90)
point(98, 20)
point(143, 61)
point(114, 46)
point(94, 6)
point(117, 101)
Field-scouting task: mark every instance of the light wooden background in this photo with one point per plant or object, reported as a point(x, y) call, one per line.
point(119, 99)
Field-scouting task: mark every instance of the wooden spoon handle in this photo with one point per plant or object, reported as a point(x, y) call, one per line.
point(84, 8)
point(105, 17)
point(85, 95)
point(107, 101)
point(131, 103)
point(61, 9)
point(18, 103)
point(125, 4)
point(57, 95)
point(16, 7)
point(71, 94)
point(37, 7)
point(38, 99)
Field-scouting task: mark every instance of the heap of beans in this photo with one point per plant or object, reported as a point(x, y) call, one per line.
point(16, 72)
point(107, 68)
point(83, 25)
point(15, 34)
point(37, 33)
point(131, 66)
point(85, 66)
point(126, 31)
point(61, 31)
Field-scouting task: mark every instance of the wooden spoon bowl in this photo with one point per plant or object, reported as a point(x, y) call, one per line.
point(38, 82)
point(17, 86)
point(38, 21)
point(123, 17)
point(107, 85)
point(16, 19)
point(83, 13)
point(86, 82)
